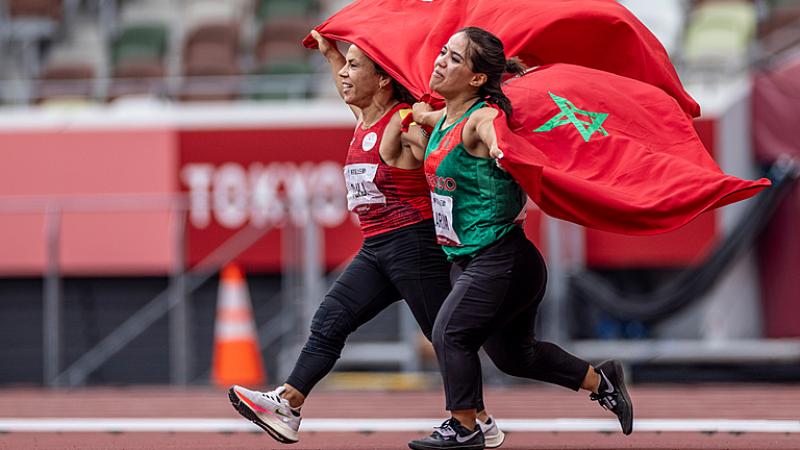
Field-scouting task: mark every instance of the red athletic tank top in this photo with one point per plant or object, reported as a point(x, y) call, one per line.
point(384, 197)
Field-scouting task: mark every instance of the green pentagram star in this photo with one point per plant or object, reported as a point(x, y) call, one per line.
point(568, 116)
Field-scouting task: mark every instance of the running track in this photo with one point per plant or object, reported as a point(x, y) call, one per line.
point(114, 412)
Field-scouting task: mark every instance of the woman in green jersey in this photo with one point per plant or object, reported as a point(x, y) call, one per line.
point(498, 275)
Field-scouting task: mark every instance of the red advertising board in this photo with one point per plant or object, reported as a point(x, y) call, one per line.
point(265, 178)
point(239, 167)
point(73, 171)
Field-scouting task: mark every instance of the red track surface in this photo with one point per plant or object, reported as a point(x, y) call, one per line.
point(712, 402)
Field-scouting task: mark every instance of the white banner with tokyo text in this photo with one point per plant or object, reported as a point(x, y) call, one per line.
point(271, 194)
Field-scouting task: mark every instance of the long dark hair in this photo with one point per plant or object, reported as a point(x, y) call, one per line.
point(399, 92)
point(487, 56)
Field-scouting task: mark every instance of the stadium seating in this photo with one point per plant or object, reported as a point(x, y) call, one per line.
point(665, 18)
point(137, 56)
point(138, 51)
point(720, 34)
point(249, 49)
point(72, 65)
point(277, 52)
point(270, 9)
point(784, 13)
point(211, 48)
point(65, 82)
point(137, 42)
point(38, 9)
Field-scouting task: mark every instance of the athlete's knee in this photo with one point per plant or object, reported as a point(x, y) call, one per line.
point(426, 328)
point(509, 365)
point(446, 334)
point(515, 360)
point(331, 325)
point(442, 336)
point(437, 336)
point(428, 333)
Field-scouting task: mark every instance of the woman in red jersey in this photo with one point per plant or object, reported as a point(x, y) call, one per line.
point(399, 258)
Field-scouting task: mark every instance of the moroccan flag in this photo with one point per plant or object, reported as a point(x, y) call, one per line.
point(404, 37)
point(609, 152)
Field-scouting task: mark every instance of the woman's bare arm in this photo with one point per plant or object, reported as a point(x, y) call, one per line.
point(336, 60)
point(416, 141)
point(479, 135)
point(424, 114)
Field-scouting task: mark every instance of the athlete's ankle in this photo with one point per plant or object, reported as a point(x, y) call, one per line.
point(591, 382)
point(466, 418)
point(293, 396)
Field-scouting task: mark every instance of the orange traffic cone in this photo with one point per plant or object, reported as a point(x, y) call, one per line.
point(237, 355)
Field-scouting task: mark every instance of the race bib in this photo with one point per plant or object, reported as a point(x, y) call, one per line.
point(361, 189)
point(443, 220)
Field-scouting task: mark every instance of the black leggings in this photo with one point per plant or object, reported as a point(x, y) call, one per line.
point(401, 264)
point(493, 304)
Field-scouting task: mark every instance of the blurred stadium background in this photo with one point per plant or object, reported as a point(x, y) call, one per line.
point(147, 144)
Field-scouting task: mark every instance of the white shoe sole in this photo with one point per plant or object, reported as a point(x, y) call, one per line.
point(278, 432)
point(495, 440)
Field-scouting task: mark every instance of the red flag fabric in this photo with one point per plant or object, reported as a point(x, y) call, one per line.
point(609, 152)
point(404, 37)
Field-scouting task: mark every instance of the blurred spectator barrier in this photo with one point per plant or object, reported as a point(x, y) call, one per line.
point(693, 283)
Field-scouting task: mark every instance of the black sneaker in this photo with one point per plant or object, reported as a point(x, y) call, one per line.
point(451, 434)
point(612, 394)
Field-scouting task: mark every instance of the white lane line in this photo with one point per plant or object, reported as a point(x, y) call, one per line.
point(377, 425)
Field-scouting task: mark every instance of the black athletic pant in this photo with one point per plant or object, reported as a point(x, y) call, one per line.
point(402, 264)
point(493, 304)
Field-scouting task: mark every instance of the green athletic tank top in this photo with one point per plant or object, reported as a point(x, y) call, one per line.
point(475, 203)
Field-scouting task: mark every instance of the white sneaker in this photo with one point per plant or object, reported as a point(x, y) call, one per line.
point(268, 410)
point(493, 435)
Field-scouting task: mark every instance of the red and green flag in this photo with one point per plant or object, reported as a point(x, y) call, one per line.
point(609, 152)
point(600, 134)
point(404, 37)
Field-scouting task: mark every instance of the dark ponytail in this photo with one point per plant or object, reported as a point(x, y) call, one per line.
point(487, 56)
point(399, 92)
point(515, 66)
